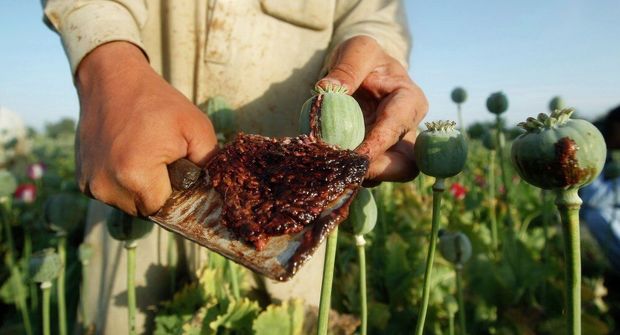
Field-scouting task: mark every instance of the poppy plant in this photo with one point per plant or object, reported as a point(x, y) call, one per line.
point(458, 191)
point(35, 170)
point(441, 152)
point(26, 193)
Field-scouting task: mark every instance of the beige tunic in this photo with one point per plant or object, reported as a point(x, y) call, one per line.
point(262, 56)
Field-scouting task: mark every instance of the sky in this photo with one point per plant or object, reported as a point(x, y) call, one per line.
point(530, 50)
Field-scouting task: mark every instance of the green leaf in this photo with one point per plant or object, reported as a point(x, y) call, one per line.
point(168, 324)
point(188, 300)
point(7, 291)
point(63, 126)
point(214, 285)
point(8, 183)
point(65, 211)
point(194, 326)
point(286, 319)
point(397, 269)
point(378, 315)
point(212, 313)
point(238, 316)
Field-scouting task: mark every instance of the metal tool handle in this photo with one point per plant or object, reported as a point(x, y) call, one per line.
point(183, 174)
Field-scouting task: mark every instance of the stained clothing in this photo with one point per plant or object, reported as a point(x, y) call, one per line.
point(262, 56)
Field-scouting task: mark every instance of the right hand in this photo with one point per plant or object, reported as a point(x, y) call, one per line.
point(132, 125)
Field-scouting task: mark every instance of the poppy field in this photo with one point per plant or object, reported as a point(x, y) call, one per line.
point(501, 266)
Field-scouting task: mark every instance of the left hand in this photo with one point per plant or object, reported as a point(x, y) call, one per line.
point(392, 103)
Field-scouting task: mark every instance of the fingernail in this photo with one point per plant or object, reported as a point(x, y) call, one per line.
point(328, 82)
point(363, 149)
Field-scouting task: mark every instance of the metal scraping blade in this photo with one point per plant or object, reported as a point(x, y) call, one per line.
point(194, 211)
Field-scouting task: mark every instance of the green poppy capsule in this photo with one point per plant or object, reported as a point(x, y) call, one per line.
point(556, 103)
point(45, 265)
point(489, 139)
point(441, 150)
point(362, 213)
point(497, 103)
point(334, 116)
point(124, 227)
point(455, 247)
point(65, 211)
point(459, 95)
point(557, 152)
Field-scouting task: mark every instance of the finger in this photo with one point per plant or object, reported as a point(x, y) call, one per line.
point(392, 166)
point(141, 179)
point(201, 139)
point(367, 183)
point(102, 187)
point(353, 61)
point(153, 194)
point(397, 80)
point(397, 164)
point(394, 119)
point(144, 188)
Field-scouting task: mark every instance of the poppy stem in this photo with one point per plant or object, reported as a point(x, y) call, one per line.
point(438, 189)
point(326, 286)
point(361, 252)
point(568, 203)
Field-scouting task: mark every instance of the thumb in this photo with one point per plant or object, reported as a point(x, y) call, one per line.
point(200, 137)
point(352, 62)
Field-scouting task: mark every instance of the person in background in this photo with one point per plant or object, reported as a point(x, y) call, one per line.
point(141, 68)
point(601, 199)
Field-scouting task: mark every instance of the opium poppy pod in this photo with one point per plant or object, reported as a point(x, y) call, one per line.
point(334, 116)
point(44, 266)
point(459, 95)
point(489, 139)
point(497, 103)
point(556, 103)
point(441, 150)
point(557, 152)
point(455, 247)
point(124, 227)
point(362, 213)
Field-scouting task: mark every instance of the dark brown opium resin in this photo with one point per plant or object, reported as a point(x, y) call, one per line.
point(278, 186)
point(566, 164)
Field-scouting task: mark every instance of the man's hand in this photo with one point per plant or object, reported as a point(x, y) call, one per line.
point(392, 103)
point(132, 124)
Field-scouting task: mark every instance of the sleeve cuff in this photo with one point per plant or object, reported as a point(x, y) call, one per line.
point(91, 25)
